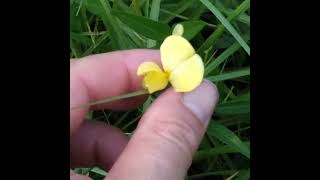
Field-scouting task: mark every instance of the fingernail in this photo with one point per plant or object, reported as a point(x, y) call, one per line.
point(202, 100)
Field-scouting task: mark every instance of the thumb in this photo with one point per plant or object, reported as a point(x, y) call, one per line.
point(167, 136)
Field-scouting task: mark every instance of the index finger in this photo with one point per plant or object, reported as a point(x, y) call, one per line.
point(105, 75)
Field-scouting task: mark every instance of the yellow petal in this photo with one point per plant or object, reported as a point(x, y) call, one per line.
point(154, 78)
point(187, 75)
point(175, 50)
point(148, 67)
point(155, 81)
point(178, 30)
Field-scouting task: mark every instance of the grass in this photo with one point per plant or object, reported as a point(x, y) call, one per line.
point(220, 32)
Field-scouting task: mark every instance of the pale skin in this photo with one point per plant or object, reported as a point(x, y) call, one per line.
point(167, 136)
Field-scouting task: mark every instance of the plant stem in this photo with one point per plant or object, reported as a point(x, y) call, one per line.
point(111, 99)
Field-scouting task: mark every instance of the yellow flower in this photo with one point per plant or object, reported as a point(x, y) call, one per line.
point(183, 68)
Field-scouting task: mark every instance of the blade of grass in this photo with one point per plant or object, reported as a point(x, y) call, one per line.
point(228, 95)
point(73, 49)
point(94, 46)
point(99, 171)
point(243, 175)
point(136, 7)
point(181, 6)
point(222, 57)
point(84, 15)
point(155, 9)
point(210, 153)
point(233, 175)
point(121, 119)
point(233, 108)
point(106, 117)
point(216, 173)
point(212, 39)
point(130, 123)
point(154, 15)
point(146, 8)
point(116, 35)
point(184, 17)
point(227, 24)
point(230, 75)
point(228, 137)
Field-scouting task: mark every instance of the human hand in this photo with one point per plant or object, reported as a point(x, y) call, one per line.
point(167, 136)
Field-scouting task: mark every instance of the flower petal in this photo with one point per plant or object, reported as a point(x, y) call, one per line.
point(178, 30)
point(175, 50)
point(155, 81)
point(187, 75)
point(148, 67)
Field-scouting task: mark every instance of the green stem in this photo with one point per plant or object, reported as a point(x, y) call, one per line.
point(111, 99)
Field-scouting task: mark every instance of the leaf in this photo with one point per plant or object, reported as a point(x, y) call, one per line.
point(121, 6)
point(99, 171)
point(192, 28)
point(149, 28)
point(94, 6)
point(226, 136)
point(227, 24)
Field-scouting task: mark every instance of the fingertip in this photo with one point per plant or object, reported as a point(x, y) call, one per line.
point(202, 100)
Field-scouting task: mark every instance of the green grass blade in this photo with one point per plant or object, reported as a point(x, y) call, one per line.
point(103, 9)
point(146, 8)
point(233, 108)
point(243, 175)
point(155, 10)
point(136, 7)
point(226, 136)
point(227, 24)
point(210, 153)
point(181, 6)
point(99, 171)
point(73, 49)
point(154, 15)
point(94, 46)
point(230, 75)
point(216, 173)
point(222, 57)
point(212, 39)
